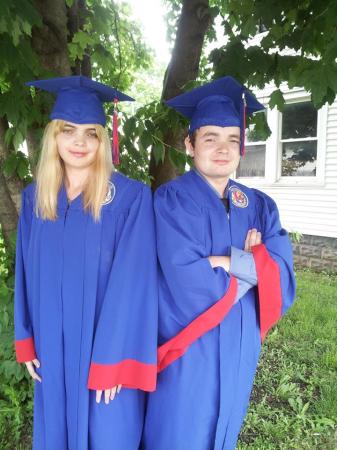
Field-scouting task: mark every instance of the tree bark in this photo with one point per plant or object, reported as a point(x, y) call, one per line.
point(8, 212)
point(14, 183)
point(50, 41)
point(10, 189)
point(193, 23)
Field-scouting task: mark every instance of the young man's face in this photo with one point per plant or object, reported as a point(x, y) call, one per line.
point(216, 151)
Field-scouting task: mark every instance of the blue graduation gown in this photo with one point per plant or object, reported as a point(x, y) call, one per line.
point(207, 366)
point(86, 306)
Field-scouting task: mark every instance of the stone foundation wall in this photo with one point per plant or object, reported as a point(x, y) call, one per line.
point(316, 252)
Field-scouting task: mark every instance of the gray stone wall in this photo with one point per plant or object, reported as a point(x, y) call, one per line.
point(316, 252)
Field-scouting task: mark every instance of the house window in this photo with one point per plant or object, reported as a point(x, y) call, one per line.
point(299, 140)
point(254, 162)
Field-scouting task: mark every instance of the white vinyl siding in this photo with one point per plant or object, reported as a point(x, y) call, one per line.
point(307, 204)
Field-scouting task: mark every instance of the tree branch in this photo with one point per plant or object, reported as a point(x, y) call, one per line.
point(76, 20)
point(194, 22)
point(116, 19)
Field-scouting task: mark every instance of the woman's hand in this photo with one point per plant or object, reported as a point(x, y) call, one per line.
point(253, 238)
point(109, 394)
point(31, 369)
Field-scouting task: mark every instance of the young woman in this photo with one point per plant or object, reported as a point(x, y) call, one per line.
point(85, 294)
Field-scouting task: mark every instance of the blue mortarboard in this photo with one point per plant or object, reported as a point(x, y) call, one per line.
point(223, 102)
point(79, 100)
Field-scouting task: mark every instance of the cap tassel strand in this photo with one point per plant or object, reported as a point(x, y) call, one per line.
point(243, 131)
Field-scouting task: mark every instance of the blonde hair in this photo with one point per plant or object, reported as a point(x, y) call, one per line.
point(50, 174)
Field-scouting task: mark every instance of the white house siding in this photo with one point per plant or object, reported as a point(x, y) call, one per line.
point(309, 207)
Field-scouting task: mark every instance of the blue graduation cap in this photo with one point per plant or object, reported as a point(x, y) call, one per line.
point(223, 102)
point(79, 100)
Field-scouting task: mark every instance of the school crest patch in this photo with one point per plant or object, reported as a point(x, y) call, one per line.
point(238, 197)
point(110, 194)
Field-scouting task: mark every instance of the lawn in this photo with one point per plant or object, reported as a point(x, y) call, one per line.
point(294, 400)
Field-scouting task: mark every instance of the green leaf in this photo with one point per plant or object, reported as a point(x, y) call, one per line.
point(27, 28)
point(277, 99)
point(158, 150)
point(10, 165)
point(146, 139)
point(129, 127)
point(69, 3)
point(17, 139)
point(23, 168)
point(4, 291)
point(5, 318)
point(178, 159)
point(16, 32)
point(261, 130)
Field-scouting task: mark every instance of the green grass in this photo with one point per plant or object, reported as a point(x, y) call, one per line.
point(294, 400)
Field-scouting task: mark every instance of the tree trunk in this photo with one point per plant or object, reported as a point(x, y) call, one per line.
point(50, 44)
point(10, 189)
point(14, 183)
point(76, 19)
point(193, 23)
point(8, 212)
point(50, 41)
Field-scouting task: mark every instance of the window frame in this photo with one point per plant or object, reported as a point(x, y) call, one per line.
point(247, 145)
point(273, 157)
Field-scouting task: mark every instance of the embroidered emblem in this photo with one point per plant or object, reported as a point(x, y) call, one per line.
point(239, 198)
point(110, 194)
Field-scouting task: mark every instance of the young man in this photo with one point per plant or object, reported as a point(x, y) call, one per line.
point(226, 278)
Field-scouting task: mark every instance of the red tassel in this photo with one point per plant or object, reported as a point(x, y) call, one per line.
point(115, 141)
point(243, 131)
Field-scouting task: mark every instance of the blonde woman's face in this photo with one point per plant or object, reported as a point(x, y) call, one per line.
point(77, 145)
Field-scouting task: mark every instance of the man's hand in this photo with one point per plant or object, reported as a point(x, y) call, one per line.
point(253, 238)
point(31, 369)
point(220, 261)
point(109, 394)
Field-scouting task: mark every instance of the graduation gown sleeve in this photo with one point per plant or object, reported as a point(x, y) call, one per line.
point(200, 296)
point(242, 266)
point(274, 265)
point(125, 341)
point(24, 339)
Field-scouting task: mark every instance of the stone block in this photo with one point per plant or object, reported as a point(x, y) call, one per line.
point(324, 242)
point(301, 261)
point(296, 249)
point(311, 251)
point(322, 264)
point(329, 253)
